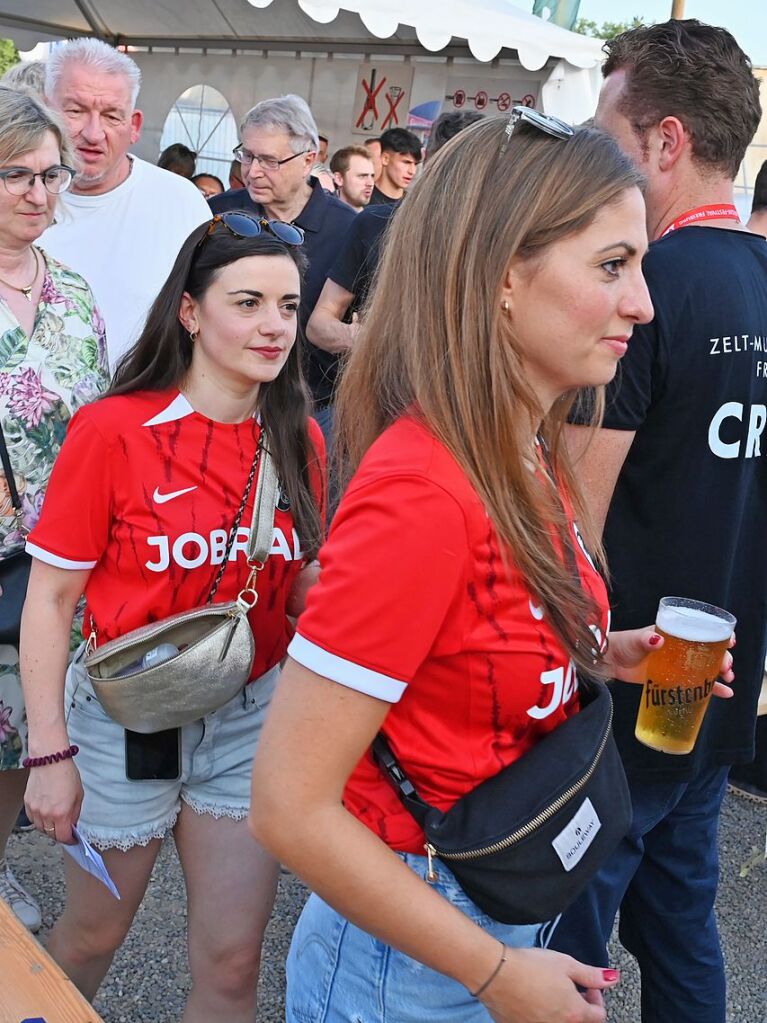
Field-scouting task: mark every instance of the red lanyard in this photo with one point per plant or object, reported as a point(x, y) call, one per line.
point(724, 212)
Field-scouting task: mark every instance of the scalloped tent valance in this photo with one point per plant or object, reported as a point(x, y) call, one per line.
point(487, 26)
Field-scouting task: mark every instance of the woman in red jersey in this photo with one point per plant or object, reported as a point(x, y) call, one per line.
point(139, 515)
point(448, 611)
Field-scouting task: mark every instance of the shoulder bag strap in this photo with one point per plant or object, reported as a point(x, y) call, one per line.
point(264, 508)
point(8, 471)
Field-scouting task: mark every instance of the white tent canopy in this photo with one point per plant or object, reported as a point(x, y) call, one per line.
point(488, 26)
point(498, 48)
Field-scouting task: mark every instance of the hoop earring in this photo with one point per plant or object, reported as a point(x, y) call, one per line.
point(193, 335)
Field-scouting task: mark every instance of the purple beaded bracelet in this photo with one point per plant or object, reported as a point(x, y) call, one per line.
point(51, 758)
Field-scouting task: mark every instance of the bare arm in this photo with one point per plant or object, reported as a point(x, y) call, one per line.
point(598, 458)
point(54, 792)
point(325, 328)
point(316, 732)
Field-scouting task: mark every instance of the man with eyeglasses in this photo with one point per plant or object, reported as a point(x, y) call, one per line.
point(123, 220)
point(278, 150)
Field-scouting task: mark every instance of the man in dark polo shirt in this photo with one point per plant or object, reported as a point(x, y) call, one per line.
point(278, 149)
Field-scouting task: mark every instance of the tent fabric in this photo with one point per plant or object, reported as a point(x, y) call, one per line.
point(488, 26)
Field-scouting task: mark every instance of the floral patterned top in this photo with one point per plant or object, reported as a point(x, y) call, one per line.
point(43, 380)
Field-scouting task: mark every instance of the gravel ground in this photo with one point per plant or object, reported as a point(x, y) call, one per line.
point(149, 977)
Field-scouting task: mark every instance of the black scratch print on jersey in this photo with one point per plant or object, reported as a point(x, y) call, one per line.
point(173, 435)
point(484, 603)
point(495, 711)
point(206, 451)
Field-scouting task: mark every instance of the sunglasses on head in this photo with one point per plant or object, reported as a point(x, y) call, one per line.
point(243, 225)
point(543, 122)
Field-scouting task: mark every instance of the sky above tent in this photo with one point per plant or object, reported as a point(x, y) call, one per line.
point(746, 19)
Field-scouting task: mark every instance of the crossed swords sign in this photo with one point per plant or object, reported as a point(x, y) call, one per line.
point(393, 98)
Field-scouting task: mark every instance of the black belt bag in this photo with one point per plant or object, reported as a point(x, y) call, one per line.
point(524, 843)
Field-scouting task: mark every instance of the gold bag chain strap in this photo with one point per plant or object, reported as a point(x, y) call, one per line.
point(262, 525)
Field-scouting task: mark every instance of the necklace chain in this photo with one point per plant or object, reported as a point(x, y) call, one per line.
point(26, 291)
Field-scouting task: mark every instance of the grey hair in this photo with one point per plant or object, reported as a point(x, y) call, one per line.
point(29, 75)
point(95, 54)
point(24, 122)
point(285, 113)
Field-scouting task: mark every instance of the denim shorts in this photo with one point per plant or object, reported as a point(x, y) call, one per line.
point(216, 760)
point(338, 973)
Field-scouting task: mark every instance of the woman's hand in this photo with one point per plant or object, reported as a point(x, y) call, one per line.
point(53, 799)
point(629, 649)
point(303, 582)
point(539, 986)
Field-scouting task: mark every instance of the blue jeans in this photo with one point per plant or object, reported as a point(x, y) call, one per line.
point(663, 878)
point(338, 973)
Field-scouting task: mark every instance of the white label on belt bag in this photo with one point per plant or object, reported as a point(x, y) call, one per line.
point(572, 842)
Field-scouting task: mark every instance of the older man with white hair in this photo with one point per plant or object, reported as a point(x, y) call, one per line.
point(124, 220)
point(277, 152)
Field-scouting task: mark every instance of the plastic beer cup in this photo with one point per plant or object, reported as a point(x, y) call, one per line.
point(682, 673)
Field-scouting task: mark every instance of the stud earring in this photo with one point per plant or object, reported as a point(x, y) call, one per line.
point(505, 306)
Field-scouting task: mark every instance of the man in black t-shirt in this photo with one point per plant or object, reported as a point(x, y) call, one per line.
point(400, 156)
point(677, 476)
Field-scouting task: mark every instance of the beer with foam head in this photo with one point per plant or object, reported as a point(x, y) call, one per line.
point(681, 675)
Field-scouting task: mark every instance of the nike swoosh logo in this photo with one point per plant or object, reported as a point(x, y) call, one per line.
point(159, 498)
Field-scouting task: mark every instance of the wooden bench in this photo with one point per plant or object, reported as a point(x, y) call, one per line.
point(32, 986)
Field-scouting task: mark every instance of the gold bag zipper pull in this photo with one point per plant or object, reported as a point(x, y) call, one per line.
point(431, 875)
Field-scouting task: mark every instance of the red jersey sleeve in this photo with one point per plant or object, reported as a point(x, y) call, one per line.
point(393, 566)
point(73, 529)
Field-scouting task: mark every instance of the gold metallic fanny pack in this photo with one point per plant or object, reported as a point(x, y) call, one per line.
point(214, 643)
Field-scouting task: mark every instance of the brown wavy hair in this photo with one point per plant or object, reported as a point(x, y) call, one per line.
point(434, 338)
point(694, 72)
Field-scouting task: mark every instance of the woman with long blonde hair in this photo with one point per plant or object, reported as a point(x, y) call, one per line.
point(458, 601)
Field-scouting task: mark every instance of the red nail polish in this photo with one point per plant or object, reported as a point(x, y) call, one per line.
point(611, 975)
point(654, 640)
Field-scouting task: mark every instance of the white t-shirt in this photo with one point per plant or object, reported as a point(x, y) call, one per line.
point(125, 242)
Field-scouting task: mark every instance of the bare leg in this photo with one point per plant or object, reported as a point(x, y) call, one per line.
point(231, 883)
point(94, 923)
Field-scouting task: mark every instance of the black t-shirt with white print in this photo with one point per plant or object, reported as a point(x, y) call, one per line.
point(690, 506)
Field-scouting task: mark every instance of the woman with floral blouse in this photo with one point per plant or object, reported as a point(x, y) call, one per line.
point(52, 360)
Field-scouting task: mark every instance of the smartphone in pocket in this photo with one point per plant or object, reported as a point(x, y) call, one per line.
point(153, 757)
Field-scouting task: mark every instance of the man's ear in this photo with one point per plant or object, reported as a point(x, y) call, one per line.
point(136, 120)
point(672, 140)
point(338, 179)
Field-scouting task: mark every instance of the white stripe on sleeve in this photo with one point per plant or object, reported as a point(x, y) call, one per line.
point(346, 673)
point(53, 559)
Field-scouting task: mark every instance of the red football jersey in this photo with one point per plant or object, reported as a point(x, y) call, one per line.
point(144, 493)
point(415, 606)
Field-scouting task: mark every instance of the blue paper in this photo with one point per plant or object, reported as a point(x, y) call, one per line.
point(85, 856)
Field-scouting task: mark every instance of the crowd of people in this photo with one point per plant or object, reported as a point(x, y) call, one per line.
point(484, 405)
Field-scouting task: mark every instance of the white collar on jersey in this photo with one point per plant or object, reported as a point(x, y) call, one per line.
point(177, 409)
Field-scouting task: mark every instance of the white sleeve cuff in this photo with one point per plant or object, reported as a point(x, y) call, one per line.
point(53, 559)
point(346, 673)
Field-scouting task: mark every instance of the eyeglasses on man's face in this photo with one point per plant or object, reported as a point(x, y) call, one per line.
point(55, 179)
point(543, 122)
point(267, 163)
